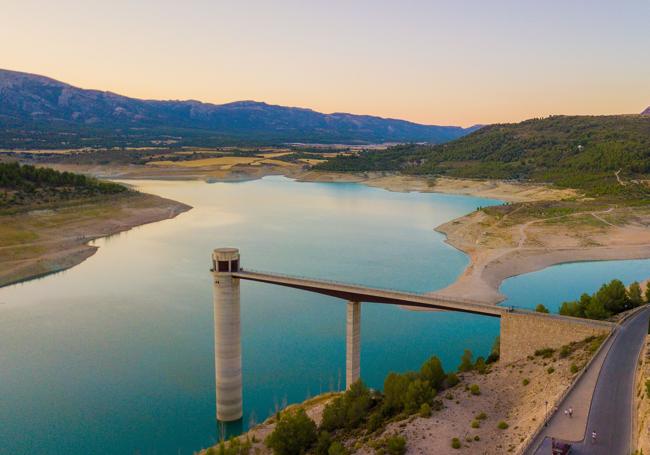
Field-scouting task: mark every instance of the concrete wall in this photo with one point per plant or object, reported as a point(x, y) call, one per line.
point(523, 334)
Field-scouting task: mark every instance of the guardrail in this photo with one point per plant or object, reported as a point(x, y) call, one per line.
point(528, 445)
point(428, 296)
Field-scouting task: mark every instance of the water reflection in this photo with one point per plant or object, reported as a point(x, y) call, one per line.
point(116, 355)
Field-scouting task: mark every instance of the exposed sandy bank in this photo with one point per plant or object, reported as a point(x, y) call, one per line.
point(499, 249)
point(45, 241)
point(494, 189)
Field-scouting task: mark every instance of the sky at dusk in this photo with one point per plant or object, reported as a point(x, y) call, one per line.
point(436, 62)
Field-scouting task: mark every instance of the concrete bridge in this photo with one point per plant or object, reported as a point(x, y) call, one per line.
point(522, 331)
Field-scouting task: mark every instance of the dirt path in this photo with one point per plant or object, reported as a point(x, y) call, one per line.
point(498, 252)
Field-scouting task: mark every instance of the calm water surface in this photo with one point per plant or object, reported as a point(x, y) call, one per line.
point(116, 355)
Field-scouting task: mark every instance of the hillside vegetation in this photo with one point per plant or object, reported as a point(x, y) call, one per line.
point(39, 112)
point(25, 186)
point(584, 152)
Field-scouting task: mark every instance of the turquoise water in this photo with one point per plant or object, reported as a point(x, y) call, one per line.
point(563, 282)
point(115, 355)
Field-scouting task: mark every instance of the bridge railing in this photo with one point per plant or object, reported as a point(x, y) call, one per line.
point(429, 295)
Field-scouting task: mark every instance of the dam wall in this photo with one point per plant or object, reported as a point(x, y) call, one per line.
point(524, 333)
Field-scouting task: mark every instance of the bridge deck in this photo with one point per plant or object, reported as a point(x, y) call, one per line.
point(359, 293)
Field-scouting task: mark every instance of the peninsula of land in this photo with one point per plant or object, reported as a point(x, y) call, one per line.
point(48, 218)
point(541, 225)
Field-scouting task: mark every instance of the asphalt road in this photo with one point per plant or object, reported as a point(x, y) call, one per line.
point(610, 415)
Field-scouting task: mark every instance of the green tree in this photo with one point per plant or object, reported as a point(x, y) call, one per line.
point(541, 308)
point(596, 309)
point(647, 292)
point(466, 363)
point(323, 444)
point(418, 393)
point(294, 434)
point(395, 388)
point(496, 350)
point(613, 297)
point(480, 365)
point(348, 410)
point(634, 294)
point(433, 372)
point(452, 379)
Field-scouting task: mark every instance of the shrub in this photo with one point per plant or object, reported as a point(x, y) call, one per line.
point(294, 434)
point(452, 379)
point(418, 393)
point(425, 410)
point(337, 449)
point(634, 294)
point(432, 372)
point(573, 368)
point(550, 370)
point(348, 410)
point(544, 353)
point(502, 425)
point(477, 438)
point(455, 443)
point(235, 447)
point(647, 388)
point(526, 381)
point(323, 443)
point(396, 445)
point(474, 389)
point(564, 351)
point(375, 421)
point(481, 416)
point(475, 424)
point(466, 363)
point(541, 308)
point(395, 388)
point(492, 358)
point(480, 365)
point(496, 350)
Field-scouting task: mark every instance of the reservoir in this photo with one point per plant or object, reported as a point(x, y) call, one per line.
point(115, 356)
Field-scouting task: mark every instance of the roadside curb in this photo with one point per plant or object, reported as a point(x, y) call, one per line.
point(528, 446)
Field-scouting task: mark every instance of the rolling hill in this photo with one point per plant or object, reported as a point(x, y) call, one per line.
point(36, 111)
point(573, 151)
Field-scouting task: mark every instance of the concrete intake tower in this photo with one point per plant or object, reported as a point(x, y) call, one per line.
point(227, 334)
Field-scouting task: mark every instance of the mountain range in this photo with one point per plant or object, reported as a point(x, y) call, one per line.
point(36, 111)
point(646, 112)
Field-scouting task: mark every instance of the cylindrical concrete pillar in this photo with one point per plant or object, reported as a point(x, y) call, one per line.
point(227, 334)
point(353, 344)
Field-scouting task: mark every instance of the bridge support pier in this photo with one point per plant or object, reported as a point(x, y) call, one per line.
point(353, 344)
point(227, 334)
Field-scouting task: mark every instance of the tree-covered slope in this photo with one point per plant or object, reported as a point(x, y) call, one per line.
point(29, 186)
point(575, 151)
